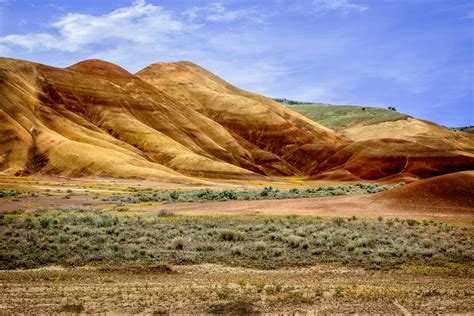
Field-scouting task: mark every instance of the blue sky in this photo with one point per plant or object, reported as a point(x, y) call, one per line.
point(416, 55)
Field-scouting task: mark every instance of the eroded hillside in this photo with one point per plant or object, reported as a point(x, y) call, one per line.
point(178, 122)
point(95, 118)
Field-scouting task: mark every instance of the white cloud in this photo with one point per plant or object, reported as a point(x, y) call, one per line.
point(138, 23)
point(193, 13)
point(343, 6)
point(217, 12)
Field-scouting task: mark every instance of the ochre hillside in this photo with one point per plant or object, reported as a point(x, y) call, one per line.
point(95, 118)
point(264, 127)
point(178, 122)
point(417, 152)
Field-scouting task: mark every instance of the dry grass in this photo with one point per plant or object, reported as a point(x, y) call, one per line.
point(324, 288)
point(75, 237)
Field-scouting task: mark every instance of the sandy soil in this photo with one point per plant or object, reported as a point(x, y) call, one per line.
point(358, 205)
point(207, 288)
point(421, 199)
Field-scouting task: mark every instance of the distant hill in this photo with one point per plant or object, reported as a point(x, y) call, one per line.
point(466, 129)
point(340, 117)
point(361, 123)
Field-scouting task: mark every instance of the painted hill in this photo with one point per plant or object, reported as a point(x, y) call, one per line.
point(397, 145)
point(95, 118)
point(178, 122)
point(265, 128)
point(453, 191)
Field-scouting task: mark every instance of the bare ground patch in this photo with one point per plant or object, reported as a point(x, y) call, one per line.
point(217, 289)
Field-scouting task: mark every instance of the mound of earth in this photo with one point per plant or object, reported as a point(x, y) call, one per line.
point(422, 132)
point(453, 191)
point(391, 159)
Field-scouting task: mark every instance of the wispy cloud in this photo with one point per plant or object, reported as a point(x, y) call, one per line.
point(317, 50)
point(217, 12)
point(139, 23)
point(343, 6)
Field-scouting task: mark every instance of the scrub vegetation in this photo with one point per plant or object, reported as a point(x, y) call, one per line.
point(76, 237)
point(267, 193)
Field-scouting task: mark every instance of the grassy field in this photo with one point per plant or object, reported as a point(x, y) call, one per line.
point(76, 237)
point(91, 261)
point(339, 117)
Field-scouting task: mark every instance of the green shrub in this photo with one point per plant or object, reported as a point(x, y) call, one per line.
point(277, 252)
point(231, 235)
point(338, 221)
point(236, 251)
point(174, 195)
point(269, 191)
point(165, 213)
point(260, 246)
point(45, 222)
point(106, 221)
point(294, 241)
point(362, 242)
point(295, 191)
point(272, 228)
point(228, 195)
point(178, 243)
point(427, 243)
point(377, 260)
point(9, 193)
point(412, 222)
point(205, 194)
point(361, 251)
